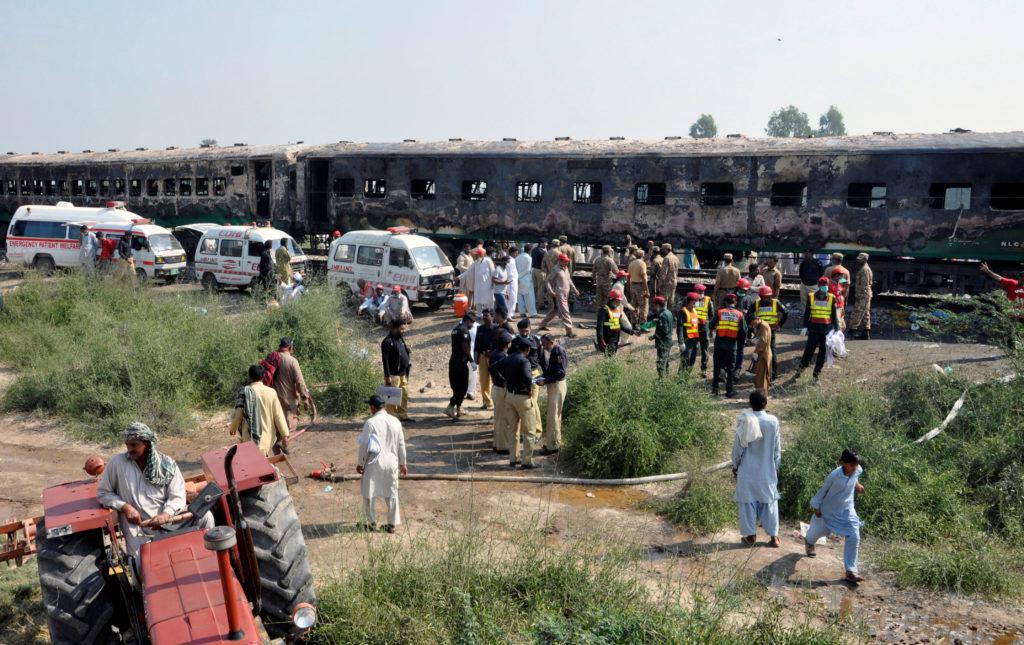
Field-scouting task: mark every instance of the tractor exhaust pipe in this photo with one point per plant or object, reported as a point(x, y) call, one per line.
point(222, 539)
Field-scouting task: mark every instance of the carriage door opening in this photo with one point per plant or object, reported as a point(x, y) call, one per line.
point(262, 173)
point(319, 173)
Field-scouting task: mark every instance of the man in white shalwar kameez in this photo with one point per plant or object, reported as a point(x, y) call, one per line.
point(512, 290)
point(145, 487)
point(756, 466)
point(526, 299)
point(381, 462)
point(482, 278)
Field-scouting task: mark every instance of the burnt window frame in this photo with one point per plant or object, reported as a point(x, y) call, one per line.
point(866, 201)
point(202, 187)
point(12, 186)
point(77, 187)
point(25, 187)
point(1010, 203)
point(375, 187)
point(106, 187)
point(525, 193)
point(135, 188)
point(343, 187)
point(38, 187)
point(649, 193)
point(118, 186)
point(170, 187)
point(220, 186)
point(471, 190)
point(592, 188)
point(50, 187)
point(724, 199)
point(152, 187)
point(186, 187)
point(938, 202)
point(426, 190)
point(790, 198)
point(63, 187)
point(237, 170)
point(92, 188)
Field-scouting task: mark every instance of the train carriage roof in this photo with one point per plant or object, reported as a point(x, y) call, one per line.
point(223, 153)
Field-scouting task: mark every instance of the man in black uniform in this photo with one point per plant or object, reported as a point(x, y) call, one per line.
point(501, 322)
point(397, 364)
point(458, 366)
point(486, 332)
point(519, 406)
point(266, 267)
point(537, 365)
point(498, 391)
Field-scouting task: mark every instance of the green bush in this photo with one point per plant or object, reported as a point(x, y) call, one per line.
point(971, 565)
point(704, 506)
point(620, 420)
point(104, 352)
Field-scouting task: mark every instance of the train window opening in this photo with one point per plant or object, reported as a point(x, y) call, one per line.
point(134, 188)
point(77, 187)
point(375, 188)
point(26, 188)
point(37, 187)
point(219, 186)
point(104, 188)
point(716, 193)
point(62, 186)
point(474, 190)
point(529, 191)
point(866, 195)
point(91, 187)
point(422, 189)
point(152, 187)
point(950, 197)
point(344, 187)
point(789, 193)
point(119, 187)
point(1008, 197)
point(237, 171)
point(170, 188)
point(650, 194)
point(586, 192)
point(202, 186)
point(12, 187)
point(185, 187)
point(51, 187)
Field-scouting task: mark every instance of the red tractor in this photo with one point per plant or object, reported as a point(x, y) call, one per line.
point(247, 580)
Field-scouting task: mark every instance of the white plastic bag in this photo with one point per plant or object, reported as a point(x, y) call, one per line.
point(748, 430)
point(835, 346)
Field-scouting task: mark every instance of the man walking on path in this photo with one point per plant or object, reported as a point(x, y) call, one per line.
point(810, 270)
point(560, 286)
point(756, 456)
point(819, 319)
point(725, 281)
point(555, 367)
point(604, 271)
point(458, 366)
point(834, 512)
point(499, 393)
point(289, 382)
point(540, 276)
point(662, 336)
point(638, 291)
point(520, 407)
point(860, 318)
point(688, 333)
point(381, 462)
point(729, 325)
point(258, 415)
point(397, 365)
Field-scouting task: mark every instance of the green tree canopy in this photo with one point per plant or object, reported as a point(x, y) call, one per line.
point(208, 143)
point(704, 127)
point(788, 122)
point(831, 123)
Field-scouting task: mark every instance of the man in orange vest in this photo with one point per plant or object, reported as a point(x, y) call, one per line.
point(769, 309)
point(688, 332)
point(703, 308)
point(730, 326)
point(819, 318)
point(611, 322)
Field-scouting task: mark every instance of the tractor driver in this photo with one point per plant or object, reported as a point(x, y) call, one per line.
point(144, 486)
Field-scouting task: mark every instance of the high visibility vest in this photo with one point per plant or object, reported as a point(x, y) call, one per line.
point(690, 325)
point(822, 312)
point(702, 308)
point(769, 313)
point(728, 323)
point(614, 322)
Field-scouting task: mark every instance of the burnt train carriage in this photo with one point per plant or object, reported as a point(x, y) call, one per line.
point(929, 197)
point(224, 185)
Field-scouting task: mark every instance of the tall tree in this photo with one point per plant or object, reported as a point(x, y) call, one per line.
point(788, 122)
point(831, 123)
point(704, 127)
point(208, 143)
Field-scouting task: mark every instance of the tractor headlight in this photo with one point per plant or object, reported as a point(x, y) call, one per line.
point(304, 615)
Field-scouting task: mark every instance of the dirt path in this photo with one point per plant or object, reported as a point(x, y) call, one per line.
point(34, 454)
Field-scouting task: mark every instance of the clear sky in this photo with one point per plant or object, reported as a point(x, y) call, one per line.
point(104, 74)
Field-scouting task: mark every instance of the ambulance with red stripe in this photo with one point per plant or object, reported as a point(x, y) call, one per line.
point(230, 255)
point(48, 237)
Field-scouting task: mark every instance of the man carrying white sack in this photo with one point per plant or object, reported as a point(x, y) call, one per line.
point(381, 462)
point(756, 454)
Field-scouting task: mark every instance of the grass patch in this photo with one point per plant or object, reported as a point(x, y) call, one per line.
point(962, 488)
point(101, 353)
point(22, 620)
point(704, 506)
point(621, 421)
point(471, 590)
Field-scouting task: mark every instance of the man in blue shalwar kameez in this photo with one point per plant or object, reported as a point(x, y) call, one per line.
point(834, 512)
point(756, 465)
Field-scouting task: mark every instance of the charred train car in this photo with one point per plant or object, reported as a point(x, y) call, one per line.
point(917, 202)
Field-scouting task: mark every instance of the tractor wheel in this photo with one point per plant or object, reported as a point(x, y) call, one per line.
point(79, 609)
point(281, 554)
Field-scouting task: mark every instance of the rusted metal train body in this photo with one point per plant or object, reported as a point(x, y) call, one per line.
point(929, 196)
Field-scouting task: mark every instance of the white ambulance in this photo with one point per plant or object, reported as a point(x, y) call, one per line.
point(48, 237)
point(230, 255)
point(391, 257)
